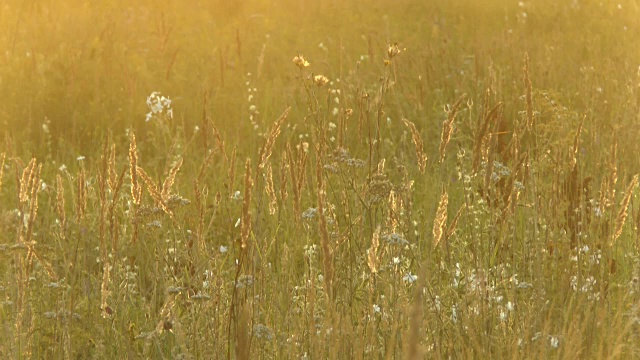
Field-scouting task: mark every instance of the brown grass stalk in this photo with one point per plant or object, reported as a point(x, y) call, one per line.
point(232, 172)
point(417, 141)
point(576, 143)
point(613, 169)
point(454, 223)
point(246, 206)
point(153, 190)
point(112, 174)
point(265, 152)
point(529, 90)
point(60, 205)
point(81, 195)
point(440, 220)
point(372, 256)
point(26, 180)
point(481, 134)
point(168, 182)
point(412, 349)
point(327, 256)
point(270, 190)
point(622, 214)
point(447, 126)
point(284, 168)
point(243, 334)
point(136, 190)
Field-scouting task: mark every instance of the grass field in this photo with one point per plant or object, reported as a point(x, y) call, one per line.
point(302, 179)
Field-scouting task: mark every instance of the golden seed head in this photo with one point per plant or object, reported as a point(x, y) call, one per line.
point(300, 62)
point(393, 50)
point(320, 80)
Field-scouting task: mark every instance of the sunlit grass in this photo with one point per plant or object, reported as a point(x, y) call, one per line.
point(335, 179)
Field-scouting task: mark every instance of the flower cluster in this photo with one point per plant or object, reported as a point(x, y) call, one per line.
point(159, 105)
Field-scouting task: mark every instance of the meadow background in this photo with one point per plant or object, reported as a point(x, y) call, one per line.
point(445, 179)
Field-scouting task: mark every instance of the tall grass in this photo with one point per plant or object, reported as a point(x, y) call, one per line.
point(332, 179)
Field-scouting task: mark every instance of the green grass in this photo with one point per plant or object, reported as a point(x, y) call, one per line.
point(327, 248)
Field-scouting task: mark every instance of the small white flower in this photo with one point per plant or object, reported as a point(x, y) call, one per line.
point(410, 278)
point(63, 168)
point(554, 341)
point(376, 308)
point(510, 306)
point(80, 158)
point(223, 249)
point(396, 260)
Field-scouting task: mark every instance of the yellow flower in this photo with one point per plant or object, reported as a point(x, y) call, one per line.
point(320, 80)
point(300, 61)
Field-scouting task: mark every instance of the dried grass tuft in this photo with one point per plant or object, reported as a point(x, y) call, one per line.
point(447, 126)
point(417, 140)
point(440, 220)
point(265, 152)
point(622, 214)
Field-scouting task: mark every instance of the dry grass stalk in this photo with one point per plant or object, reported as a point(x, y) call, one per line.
point(200, 208)
point(327, 256)
point(311, 300)
point(417, 141)
point(447, 126)
point(153, 190)
point(232, 172)
point(265, 152)
point(112, 174)
point(168, 182)
point(60, 205)
point(481, 134)
point(271, 192)
point(452, 226)
point(26, 181)
point(113, 221)
point(219, 142)
point(622, 214)
point(395, 207)
point(412, 349)
point(33, 202)
point(243, 335)
point(105, 292)
point(372, 256)
point(136, 189)
point(204, 166)
point(246, 204)
point(440, 220)
point(613, 170)
point(284, 168)
point(2, 158)
point(27, 234)
point(297, 167)
point(576, 143)
point(81, 195)
point(529, 90)
point(167, 317)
